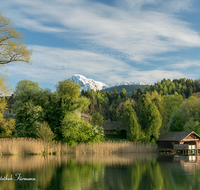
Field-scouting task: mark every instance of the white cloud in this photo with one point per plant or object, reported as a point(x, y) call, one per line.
point(185, 65)
point(51, 65)
point(135, 31)
point(178, 5)
point(158, 5)
point(137, 35)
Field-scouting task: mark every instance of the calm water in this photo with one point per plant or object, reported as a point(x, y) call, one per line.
point(100, 172)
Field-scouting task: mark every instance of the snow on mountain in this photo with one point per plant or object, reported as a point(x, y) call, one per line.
point(125, 83)
point(96, 85)
point(87, 83)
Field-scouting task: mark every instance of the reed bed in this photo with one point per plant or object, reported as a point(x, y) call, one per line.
point(110, 147)
point(36, 146)
point(28, 146)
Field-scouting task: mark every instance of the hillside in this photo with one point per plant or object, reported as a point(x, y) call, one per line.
point(129, 88)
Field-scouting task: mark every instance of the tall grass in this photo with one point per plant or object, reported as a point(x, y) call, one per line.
point(28, 146)
point(110, 147)
point(36, 146)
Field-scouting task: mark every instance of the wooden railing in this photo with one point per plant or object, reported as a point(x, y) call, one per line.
point(184, 147)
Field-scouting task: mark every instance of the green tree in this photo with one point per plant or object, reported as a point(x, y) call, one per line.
point(190, 108)
point(97, 119)
point(133, 94)
point(113, 96)
point(192, 125)
point(133, 130)
point(154, 122)
point(165, 90)
point(28, 118)
point(123, 93)
point(138, 94)
point(71, 100)
point(170, 103)
point(141, 110)
point(186, 117)
point(29, 107)
point(181, 86)
point(176, 121)
point(52, 110)
point(157, 99)
point(75, 130)
point(149, 118)
point(11, 47)
point(26, 90)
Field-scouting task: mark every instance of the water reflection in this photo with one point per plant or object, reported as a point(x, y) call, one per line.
point(189, 164)
point(105, 172)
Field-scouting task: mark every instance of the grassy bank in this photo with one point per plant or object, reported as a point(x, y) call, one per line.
point(35, 146)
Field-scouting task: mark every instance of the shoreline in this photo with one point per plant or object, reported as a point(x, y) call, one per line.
point(31, 146)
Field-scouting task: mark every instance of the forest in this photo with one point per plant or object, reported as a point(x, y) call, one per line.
point(165, 106)
point(161, 107)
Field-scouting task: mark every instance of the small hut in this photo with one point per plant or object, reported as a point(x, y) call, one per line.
point(111, 126)
point(182, 140)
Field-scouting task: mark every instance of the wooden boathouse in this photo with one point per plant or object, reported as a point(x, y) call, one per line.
point(186, 142)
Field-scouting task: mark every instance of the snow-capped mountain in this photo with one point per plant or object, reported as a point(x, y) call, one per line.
point(125, 83)
point(96, 85)
point(87, 83)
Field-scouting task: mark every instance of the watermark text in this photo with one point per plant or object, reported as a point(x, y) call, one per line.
point(16, 177)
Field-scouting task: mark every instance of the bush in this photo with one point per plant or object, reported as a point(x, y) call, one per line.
point(46, 135)
point(75, 130)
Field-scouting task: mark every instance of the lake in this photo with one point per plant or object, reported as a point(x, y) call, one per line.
point(100, 172)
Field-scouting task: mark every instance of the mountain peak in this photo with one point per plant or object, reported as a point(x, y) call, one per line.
point(90, 84)
point(87, 84)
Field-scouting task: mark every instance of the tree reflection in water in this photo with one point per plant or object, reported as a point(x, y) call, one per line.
point(105, 172)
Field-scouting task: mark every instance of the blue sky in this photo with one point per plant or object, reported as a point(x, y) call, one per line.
point(106, 40)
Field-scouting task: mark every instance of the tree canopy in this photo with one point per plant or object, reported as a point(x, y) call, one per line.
point(186, 117)
point(60, 110)
point(133, 129)
point(184, 87)
point(12, 48)
point(28, 108)
point(149, 118)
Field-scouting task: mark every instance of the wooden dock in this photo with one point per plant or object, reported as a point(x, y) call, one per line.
point(180, 151)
